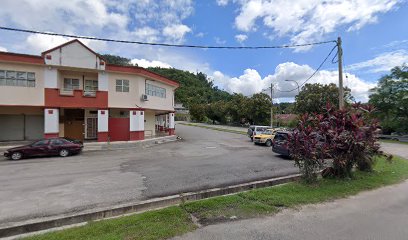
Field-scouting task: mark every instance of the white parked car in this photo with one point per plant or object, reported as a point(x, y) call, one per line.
point(254, 130)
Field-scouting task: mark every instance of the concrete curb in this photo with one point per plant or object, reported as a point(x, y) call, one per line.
point(74, 219)
point(98, 146)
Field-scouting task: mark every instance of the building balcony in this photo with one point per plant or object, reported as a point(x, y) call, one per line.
point(75, 98)
point(70, 92)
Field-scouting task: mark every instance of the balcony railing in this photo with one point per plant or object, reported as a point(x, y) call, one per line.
point(75, 98)
point(67, 92)
point(70, 92)
point(89, 93)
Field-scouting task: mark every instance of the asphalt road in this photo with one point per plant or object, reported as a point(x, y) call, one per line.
point(395, 149)
point(42, 187)
point(374, 215)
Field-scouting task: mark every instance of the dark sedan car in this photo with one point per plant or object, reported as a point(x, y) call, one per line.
point(280, 143)
point(46, 147)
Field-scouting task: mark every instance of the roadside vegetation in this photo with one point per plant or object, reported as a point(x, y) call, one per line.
point(173, 221)
point(393, 141)
point(390, 98)
point(348, 137)
point(243, 132)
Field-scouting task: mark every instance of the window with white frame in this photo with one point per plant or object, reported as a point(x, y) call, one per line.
point(91, 85)
point(17, 78)
point(122, 85)
point(156, 91)
point(71, 84)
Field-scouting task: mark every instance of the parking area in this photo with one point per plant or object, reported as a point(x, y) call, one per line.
point(42, 187)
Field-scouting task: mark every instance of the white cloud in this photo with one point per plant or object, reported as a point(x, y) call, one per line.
point(241, 38)
point(397, 43)
point(222, 2)
point(127, 19)
point(383, 62)
point(49, 14)
point(176, 32)
point(146, 63)
point(3, 49)
point(38, 43)
point(251, 82)
point(219, 41)
point(146, 34)
point(309, 20)
point(200, 34)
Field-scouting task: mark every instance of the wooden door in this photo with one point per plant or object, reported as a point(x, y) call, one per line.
point(74, 129)
point(74, 126)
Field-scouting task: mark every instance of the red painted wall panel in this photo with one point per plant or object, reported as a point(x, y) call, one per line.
point(77, 100)
point(119, 129)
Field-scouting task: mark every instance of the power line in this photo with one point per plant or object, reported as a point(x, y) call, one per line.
point(163, 44)
point(314, 73)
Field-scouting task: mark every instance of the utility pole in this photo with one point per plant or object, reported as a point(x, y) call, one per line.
point(271, 105)
point(340, 61)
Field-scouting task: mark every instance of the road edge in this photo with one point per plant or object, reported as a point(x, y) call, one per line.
point(31, 227)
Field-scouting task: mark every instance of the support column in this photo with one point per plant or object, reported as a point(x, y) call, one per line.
point(51, 122)
point(136, 118)
point(161, 123)
point(171, 124)
point(103, 125)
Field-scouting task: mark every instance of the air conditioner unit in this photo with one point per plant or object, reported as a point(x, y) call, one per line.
point(144, 97)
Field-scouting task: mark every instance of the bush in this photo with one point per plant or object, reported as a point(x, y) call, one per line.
point(347, 136)
point(306, 147)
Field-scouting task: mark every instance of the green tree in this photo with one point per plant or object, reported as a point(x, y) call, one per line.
point(314, 97)
point(117, 60)
point(260, 105)
point(239, 108)
point(217, 111)
point(390, 98)
point(198, 112)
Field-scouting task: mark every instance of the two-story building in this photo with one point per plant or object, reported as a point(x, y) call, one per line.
point(71, 91)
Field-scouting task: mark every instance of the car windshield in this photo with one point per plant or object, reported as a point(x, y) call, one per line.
point(268, 132)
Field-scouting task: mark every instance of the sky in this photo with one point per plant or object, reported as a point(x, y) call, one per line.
point(373, 32)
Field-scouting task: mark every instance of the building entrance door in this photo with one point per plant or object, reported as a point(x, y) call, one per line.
point(74, 124)
point(91, 128)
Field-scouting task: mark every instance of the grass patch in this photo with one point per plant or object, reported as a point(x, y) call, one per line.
point(297, 193)
point(160, 224)
point(223, 208)
point(393, 141)
point(215, 128)
point(173, 221)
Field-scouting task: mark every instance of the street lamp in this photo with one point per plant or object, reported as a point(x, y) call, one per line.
point(288, 80)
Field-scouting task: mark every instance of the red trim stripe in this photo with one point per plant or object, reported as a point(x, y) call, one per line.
point(24, 58)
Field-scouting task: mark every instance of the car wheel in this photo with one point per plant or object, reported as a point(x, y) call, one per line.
point(268, 143)
point(16, 156)
point(63, 153)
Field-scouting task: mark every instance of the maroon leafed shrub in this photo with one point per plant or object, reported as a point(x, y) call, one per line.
point(308, 147)
point(348, 137)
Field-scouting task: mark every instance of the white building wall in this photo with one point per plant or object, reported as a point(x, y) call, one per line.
point(136, 120)
point(133, 98)
point(171, 120)
point(50, 77)
point(74, 55)
point(149, 125)
point(103, 84)
point(51, 120)
point(103, 118)
point(22, 96)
